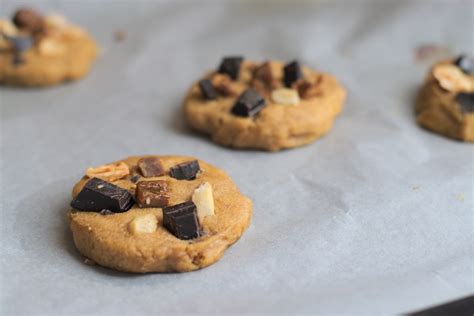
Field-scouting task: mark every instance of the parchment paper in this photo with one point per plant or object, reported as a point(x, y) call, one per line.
point(375, 218)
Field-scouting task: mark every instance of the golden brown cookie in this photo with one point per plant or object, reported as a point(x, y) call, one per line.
point(299, 105)
point(43, 51)
point(156, 237)
point(445, 103)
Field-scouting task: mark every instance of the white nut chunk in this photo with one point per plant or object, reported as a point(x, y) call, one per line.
point(204, 200)
point(109, 172)
point(8, 28)
point(285, 96)
point(452, 79)
point(56, 20)
point(51, 47)
point(143, 224)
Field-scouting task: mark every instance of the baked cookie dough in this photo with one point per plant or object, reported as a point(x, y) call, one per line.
point(40, 50)
point(445, 104)
point(157, 214)
point(269, 105)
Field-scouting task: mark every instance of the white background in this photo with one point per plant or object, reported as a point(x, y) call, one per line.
point(375, 218)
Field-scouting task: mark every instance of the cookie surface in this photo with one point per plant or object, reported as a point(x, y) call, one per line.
point(288, 119)
point(108, 240)
point(60, 52)
point(445, 102)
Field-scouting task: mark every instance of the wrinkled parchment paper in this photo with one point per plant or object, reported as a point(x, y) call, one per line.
point(375, 218)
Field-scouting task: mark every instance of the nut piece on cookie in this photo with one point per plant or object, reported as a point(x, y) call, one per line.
point(51, 47)
point(452, 78)
point(307, 89)
point(109, 172)
point(204, 200)
point(7, 28)
point(143, 224)
point(56, 21)
point(152, 193)
point(29, 20)
point(263, 78)
point(224, 85)
point(285, 96)
point(151, 167)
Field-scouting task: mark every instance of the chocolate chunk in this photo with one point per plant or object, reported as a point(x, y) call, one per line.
point(28, 19)
point(466, 64)
point(231, 66)
point(98, 194)
point(249, 103)
point(207, 89)
point(181, 220)
point(264, 74)
point(292, 73)
point(20, 43)
point(466, 101)
point(307, 89)
point(185, 171)
point(152, 193)
point(151, 167)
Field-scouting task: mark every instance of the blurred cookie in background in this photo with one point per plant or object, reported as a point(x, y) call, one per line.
point(37, 50)
point(445, 104)
point(263, 105)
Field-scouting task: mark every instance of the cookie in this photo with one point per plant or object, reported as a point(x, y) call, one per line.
point(445, 103)
point(268, 106)
point(38, 50)
point(157, 214)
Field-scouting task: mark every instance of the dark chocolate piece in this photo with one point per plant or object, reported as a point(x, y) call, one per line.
point(207, 89)
point(181, 220)
point(28, 19)
point(98, 194)
point(465, 63)
point(151, 167)
point(152, 193)
point(185, 171)
point(466, 101)
point(249, 103)
point(292, 73)
point(20, 43)
point(231, 66)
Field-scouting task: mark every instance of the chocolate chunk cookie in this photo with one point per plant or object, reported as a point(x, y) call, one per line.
point(445, 104)
point(38, 50)
point(161, 223)
point(269, 105)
